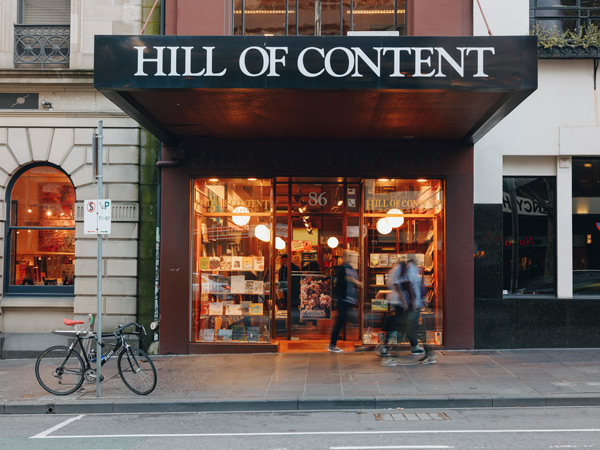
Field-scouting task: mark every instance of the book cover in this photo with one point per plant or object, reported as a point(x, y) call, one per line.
point(236, 263)
point(252, 334)
point(258, 287)
point(384, 260)
point(393, 258)
point(382, 335)
point(225, 263)
point(380, 279)
point(214, 262)
point(215, 308)
point(249, 287)
point(238, 284)
point(208, 334)
point(233, 310)
point(245, 308)
point(256, 309)
point(379, 304)
point(247, 262)
point(393, 339)
point(259, 263)
point(374, 259)
point(238, 333)
point(203, 264)
point(224, 335)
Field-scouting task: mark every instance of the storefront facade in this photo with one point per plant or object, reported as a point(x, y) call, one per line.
point(305, 146)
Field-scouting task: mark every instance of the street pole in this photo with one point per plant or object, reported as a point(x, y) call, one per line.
point(99, 272)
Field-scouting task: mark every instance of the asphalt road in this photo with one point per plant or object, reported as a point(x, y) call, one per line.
point(487, 428)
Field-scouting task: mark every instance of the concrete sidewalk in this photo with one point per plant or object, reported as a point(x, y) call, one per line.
point(313, 381)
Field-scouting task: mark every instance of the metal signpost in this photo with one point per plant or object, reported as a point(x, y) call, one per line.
point(97, 220)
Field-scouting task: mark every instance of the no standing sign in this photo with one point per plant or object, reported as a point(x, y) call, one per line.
point(97, 216)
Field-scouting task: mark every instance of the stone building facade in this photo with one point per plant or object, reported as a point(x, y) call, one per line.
point(49, 110)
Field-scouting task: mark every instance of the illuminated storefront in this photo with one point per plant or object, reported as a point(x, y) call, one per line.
point(241, 291)
point(304, 146)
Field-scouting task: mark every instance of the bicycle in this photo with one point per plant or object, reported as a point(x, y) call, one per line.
point(61, 370)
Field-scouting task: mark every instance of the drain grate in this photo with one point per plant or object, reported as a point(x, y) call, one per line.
point(437, 416)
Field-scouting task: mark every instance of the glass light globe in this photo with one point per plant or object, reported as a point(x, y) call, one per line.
point(395, 222)
point(383, 226)
point(240, 220)
point(279, 243)
point(263, 233)
point(333, 242)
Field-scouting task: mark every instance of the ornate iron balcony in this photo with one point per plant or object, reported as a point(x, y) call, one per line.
point(42, 45)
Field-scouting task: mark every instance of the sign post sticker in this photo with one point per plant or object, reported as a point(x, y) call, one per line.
point(97, 216)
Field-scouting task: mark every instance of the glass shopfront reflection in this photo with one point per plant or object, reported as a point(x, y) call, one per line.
point(263, 273)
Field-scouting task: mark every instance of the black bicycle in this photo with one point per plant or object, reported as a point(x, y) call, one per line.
point(61, 370)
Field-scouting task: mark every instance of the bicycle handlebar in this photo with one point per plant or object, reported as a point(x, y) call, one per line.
point(120, 328)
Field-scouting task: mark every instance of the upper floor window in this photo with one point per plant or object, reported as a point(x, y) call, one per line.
point(317, 17)
point(45, 12)
point(40, 236)
point(565, 15)
point(42, 34)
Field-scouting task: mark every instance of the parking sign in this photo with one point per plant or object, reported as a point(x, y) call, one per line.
point(97, 216)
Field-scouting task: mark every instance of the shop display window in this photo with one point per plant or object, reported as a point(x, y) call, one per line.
point(260, 272)
point(403, 221)
point(231, 295)
point(586, 226)
point(529, 229)
point(41, 232)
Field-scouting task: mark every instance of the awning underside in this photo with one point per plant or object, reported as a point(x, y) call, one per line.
point(173, 114)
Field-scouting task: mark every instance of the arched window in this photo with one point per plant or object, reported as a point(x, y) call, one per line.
point(40, 236)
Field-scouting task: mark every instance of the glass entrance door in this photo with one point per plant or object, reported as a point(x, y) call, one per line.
point(318, 219)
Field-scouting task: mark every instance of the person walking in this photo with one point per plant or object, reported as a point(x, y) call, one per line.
point(345, 293)
point(406, 287)
point(397, 301)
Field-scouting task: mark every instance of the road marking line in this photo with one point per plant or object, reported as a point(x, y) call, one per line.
point(313, 433)
point(390, 447)
point(45, 434)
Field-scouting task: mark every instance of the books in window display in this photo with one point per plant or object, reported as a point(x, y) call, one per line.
point(224, 335)
point(379, 304)
point(238, 333)
point(208, 335)
point(252, 334)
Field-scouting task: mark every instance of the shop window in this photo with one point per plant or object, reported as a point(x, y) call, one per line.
point(586, 226)
point(231, 298)
point(403, 221)
point(529, 229)
point(564, 15)
point(40, 236)
point(317, 17)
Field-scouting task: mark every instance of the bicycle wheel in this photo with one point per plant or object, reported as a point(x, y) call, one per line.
point(60, 370)
point(137, 370)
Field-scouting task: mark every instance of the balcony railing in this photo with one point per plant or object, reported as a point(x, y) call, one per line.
point(42, 45)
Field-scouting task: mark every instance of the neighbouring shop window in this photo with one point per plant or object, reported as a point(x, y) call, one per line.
point(403, 219)
point(564, 15)
point(586, 226)
point(529, 229)
point(40, 238)
point(231, 254)
point(317, 17)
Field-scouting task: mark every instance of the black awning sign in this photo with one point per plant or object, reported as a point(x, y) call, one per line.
point(146, 62)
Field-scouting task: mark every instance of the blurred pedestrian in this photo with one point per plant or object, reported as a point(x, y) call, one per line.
point(345, 293)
